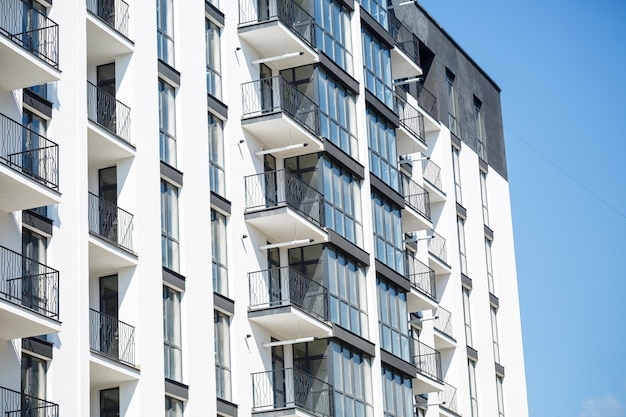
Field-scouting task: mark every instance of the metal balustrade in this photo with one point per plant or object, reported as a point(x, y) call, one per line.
point(29, 284)
point(427, 360)
point(405, 39)
point(108, 112)
point(426, 100)
point(112, 12)
point(437, 247)
point(448, 397)
point(276, 94)
point(279, 188)
point(16, 404)
point(443, 322)
point(111, 337)
point(421, 276)
point(410, 118)
point(29, 153)
point(415, 196)
point(31, 30)
point(291, 388)
point(110, 222)
point(432, 173)
point(283, 286)
point(288, 12)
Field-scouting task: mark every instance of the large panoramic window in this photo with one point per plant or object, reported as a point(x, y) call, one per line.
point(388, 245)
point(377, 68)
point(377, 9)
point(213, 59)
point(332, 32)
point(172, 336)
point(397, 394)
point(393, 320)
point(352, 382)
point(383, 153)
point(337, 114)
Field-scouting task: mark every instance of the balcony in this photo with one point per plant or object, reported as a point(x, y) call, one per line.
point(281, 117)
point(291, 392)
point(410, 135)
point(432, 181)
point(416, 215)
point(288, 303)
point(278, 28)
point(108, 24)
point(29, 173)
point(427, 103)
point(14, 404)
point(447, 398)
point(29, 49)
point(438, 254)
point(29, 297)
point(423, 295)
point(111, 240)
point(405, 55)
point(428, 363)
point(444, 336)
point(283, 207)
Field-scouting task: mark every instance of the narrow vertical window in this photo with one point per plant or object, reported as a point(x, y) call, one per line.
point(500, 393)
point(479, 127)
point(451, 102)
point(218, 251)
point(490, 280)
point(165, 31)
point(467, 316)
point(483, 197)
point(33, 377)
point(169, 226)
point(167, 123)
point(110, 402)
point(217, 177)
point(213, 59)
point(471, 365)
point(173, 407)
point(456, 172)
point(494, 333)
point(172, 335)
point(462, 249)
point(221, 323)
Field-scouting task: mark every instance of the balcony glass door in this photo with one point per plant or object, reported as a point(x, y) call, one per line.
point(32, 158)
point(271, 184)
point(107, 191)
point(267, 88)
point(105, 100)
point(106, 11)
point(33, 281)
point(109, 309)
point(278, 366)
point(275, 280)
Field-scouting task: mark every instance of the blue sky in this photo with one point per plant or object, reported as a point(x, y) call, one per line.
point(561, 66)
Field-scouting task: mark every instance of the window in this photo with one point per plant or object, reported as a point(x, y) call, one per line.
point(490, 280)
point(332, 32)
point(34, 376)
point(169, 226)
point(221, 324)
point(451, 102)
point(337, 114)
point(377, 9)
point(36, 282)
point(456, 171)
point(342, 202)
point(393, 320)
point(167, 123)
point(388, 244)
point(218, 252)
point(34, 160)
point(467, 316)
point(472, 386)
point(494, 334)
point(460, 222)
point(500, 394)
point(165, 31)
point(483, 197)
point(213, 59)
point(377, 68)
point(173, 407)
point(383, 150)
point(110, 402)
point(479, 128)
point(172, 337)
point(352, 382)
point(216, 155)
point(397, 394)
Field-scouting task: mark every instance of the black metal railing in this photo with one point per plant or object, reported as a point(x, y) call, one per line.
point(415, 196)
point(108, 112)
point(448, 397)
point(110, 222)
point(29, 153)
point(432, 173)
point(113, 12)
point(405, 39)
point(284, 286)
point(16, 404)
point(277, 188)
point(112, 338)
point(29, 284)
point(410, 118)
point(288, 12)
point(437, 247)
point(291, 388)
point(427, 360)
point(443, 321)
point(276, 94)
point(426, 100)
point(31, 30)
point(421, 276)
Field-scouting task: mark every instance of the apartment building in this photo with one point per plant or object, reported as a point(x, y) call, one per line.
point(326, 178)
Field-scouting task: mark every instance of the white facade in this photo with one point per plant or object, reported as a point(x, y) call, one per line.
point(84, 283)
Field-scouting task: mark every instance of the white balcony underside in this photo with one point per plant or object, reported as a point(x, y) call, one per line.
point(105, 149)
point(21, 68)
point(435, 194)
point(19, 322)
point(289, 322)
point(438, 265)
point(283, 224)
point(103, 42)
point(19, 192)
point(418, 301)
point(423, 384)
point(105, 372)
point(407, 143)
point(288, 411)
point(443, 341)
point(412, 221)
point(106, 257)
point(402, 66)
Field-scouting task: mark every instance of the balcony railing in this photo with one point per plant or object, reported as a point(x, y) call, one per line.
point(16, 404)
point(405, 39)
point(276, 94)
point(443, 322)
point(31, 30)
point(426, 100)
point(437, 247)
point(29, 284)
point(106, 111)
point(29, 153)
point(448, 397)
point(291, 388)
point(284, 286)
point(432, 173)
point(427, 360)
point(415, 196)
point(411, 119)
point(277, 188)
point(113, 12)
point(421, 276)
point(298, 20)
point(111, 337)
point(110, 222)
